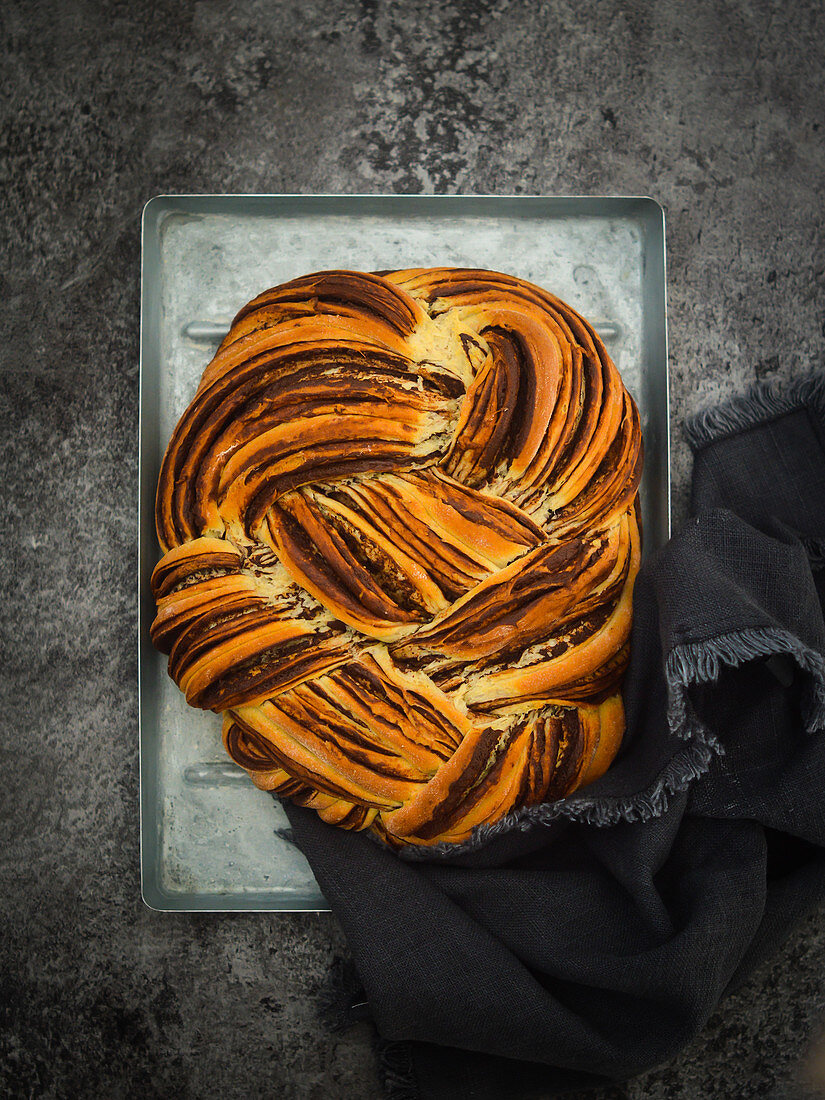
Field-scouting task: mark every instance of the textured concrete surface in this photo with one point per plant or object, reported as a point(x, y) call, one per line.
point(715, 109)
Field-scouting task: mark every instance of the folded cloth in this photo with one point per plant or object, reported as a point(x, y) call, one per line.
point(586, 941)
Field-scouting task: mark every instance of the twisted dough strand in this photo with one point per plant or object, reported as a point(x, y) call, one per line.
point(400, 531)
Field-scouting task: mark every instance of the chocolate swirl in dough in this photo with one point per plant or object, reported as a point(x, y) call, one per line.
point(400, 530)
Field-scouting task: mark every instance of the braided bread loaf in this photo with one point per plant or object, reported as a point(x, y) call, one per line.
point(400, 530)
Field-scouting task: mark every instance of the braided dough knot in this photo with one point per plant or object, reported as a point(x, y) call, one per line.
point(399, 524)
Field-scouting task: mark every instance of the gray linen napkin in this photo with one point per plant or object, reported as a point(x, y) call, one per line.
point(588, 940)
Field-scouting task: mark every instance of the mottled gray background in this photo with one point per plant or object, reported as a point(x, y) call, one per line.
point(713, 108)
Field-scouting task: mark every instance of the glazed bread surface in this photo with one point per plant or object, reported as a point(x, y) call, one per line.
point(400, 529)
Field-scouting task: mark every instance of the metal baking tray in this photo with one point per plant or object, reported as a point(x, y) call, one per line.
point(209, 839)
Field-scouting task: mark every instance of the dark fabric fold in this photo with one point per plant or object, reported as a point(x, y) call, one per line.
point(589, 941)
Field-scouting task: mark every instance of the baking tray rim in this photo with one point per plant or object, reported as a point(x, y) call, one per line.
point(154, 210)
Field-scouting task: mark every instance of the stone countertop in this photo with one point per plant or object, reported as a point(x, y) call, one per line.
point(715, 110)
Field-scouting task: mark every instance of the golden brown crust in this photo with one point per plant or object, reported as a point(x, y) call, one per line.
point(400, 533)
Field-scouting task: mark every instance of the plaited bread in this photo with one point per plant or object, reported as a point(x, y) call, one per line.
point(400, 530)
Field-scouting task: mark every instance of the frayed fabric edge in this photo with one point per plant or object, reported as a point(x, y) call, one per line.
point(396, 1070)
point(688, 664)
point(762, 402)
point(701, 662)
point(686, 765)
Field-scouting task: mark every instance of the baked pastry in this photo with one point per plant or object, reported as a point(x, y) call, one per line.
point(400, 530)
